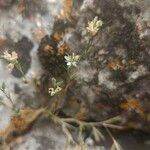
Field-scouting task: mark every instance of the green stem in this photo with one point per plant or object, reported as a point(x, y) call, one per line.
point(18, 66)
point(9, 98)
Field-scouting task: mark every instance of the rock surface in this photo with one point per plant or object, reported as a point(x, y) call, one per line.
point(113, 79)
point(110, 76)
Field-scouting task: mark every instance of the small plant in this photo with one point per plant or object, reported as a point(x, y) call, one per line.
point(94, 26)
point(12, 59)
point(26, 117)
point(72, 60)
point(55, 87)
point(8, 96)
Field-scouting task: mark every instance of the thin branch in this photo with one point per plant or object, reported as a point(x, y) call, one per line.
point(9, 98)
point(101, 123)
point(116, 144)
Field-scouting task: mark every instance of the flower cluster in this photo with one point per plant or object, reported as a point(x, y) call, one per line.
point(94, 26)
point(55, 87)
point(11, 58)
point(72, 60)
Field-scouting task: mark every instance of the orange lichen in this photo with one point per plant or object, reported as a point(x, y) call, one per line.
point(18, 123)
point(132, 104)
point(58, 36)
point(116, 65)
point(62, 49)
point(21, 122)
point(131, 62)
point(2, 40)
point(48, 49)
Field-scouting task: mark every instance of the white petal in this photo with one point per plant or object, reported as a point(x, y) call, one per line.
point(53, 93)
point(67, 58)
point(68, 63)
point(77, 57)
point(58, 89)
point(50, 90)
point(14, 55)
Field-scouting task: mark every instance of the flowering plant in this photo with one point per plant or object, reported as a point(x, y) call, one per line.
point(72, 60)
point(55, 87)
point(11, 58)
point(94, 26)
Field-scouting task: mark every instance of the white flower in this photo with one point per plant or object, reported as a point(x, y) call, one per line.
point(51, 91)
point(54, 91)
point(72, 60)
point(56, 87)
point(10, 57)
point(94, 26)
